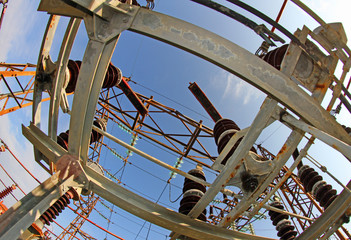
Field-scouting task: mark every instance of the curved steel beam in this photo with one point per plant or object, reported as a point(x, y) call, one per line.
point(240, 62)
point(157, 214)
point(267, 19)
point(223, 53)
point(261, 30)
point(103, 37)
point(39, 86)
point(60, 76)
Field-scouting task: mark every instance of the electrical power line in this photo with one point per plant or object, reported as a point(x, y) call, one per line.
point(176, 102)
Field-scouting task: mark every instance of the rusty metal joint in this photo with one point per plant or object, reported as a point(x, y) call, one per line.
point(69, 166)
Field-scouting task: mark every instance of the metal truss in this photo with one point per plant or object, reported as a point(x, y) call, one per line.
point(104, 21)
point(19, 95)
point(181, 142)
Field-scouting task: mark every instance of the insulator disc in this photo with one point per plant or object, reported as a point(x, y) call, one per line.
point(194, 185)
point(275, 57)
point(284, 230)
point(279, 217)
point(288, 235)
point(197, 173)
point(222, 125)
point(190, 199)
point(95, 136)
point(62, 140)
point(187, 206)
point(73, 71)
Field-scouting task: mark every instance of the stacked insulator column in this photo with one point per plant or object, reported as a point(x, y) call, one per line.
point(73, 67)
point(57, 207)
point(7, 191)
point(286, 231)
point(223, 131)
point(313, 183)
point(192, 192)
point(95, 136)
point(323, 192)
point(113, 76)
point(62, 139)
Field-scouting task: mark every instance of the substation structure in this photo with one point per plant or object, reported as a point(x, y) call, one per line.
point(295, 77)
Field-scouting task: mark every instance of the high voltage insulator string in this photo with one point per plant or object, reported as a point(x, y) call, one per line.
point(192, 193)
point(177, 165)
point(10, 192)
point(286, 231)
point(55, 208)
point(7, 191)
point(12, 179)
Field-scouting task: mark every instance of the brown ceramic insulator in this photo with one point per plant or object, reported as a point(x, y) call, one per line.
point(73, 67)
point(95, 136)
point(223, 131)
point(323, 192)
point(313, 182)
point(193, 185)
point(6, 191)
point(275, 57)
point(186, 208)
point(223, 125)
point(112, 78)
point(62, 139)
point(192, 193)
point(190, 198)
point(196, 173)
point(52, 212)
point(286, 231)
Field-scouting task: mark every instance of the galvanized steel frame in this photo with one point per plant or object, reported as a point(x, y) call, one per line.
point(158, 133)
point(103, 29)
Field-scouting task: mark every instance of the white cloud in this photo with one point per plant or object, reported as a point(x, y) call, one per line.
point(19, 30)
point(19, 20)
point(235, 88)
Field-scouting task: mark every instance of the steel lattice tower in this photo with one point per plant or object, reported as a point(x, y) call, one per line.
point(259, 177)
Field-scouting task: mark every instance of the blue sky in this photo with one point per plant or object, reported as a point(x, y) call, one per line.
point(166, 70)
